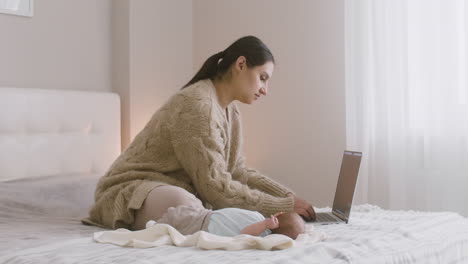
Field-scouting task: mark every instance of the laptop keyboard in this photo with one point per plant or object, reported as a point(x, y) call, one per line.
point(324, 217)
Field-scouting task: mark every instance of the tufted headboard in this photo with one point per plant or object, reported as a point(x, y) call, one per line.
point(57, 132)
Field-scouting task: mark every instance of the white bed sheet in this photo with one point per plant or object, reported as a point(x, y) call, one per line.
point(40, 223)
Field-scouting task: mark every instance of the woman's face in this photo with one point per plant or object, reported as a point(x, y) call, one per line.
point(251, 83)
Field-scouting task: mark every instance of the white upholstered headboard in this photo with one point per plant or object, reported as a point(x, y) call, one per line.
point(57, 132)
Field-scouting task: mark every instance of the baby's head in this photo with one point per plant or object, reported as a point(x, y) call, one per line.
point(290, 224)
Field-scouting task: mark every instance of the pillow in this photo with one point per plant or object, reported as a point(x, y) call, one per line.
point(61, 196)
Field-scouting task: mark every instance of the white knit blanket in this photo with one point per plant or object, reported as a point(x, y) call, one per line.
point(162, 234)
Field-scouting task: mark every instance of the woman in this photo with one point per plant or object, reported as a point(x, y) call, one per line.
point(189, 152)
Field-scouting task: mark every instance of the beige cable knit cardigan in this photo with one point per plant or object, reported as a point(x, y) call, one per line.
point(193, 143)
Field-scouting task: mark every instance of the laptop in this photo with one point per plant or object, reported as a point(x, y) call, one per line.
point(344, 191)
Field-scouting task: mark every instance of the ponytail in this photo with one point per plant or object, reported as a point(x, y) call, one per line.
point(252, 48)
point(209, 69)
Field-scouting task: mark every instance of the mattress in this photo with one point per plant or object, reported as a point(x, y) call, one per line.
point(40, 223)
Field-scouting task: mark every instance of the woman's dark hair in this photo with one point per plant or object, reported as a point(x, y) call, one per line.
point(252, 48)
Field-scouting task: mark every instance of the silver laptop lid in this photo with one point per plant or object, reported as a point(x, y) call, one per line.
point(346, 184)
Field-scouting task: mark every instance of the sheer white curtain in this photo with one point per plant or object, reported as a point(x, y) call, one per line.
point(407, 102)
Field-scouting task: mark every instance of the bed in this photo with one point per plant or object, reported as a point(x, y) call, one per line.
point(54, 146)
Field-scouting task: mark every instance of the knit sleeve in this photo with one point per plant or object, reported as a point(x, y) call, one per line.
point(198, 146)
point(256, 180)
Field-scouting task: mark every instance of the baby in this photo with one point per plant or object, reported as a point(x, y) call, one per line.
point(232, 221)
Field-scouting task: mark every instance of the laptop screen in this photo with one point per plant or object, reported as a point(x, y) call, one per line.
point(346, 183)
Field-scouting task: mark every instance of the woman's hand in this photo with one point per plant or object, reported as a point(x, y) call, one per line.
point(303, 208)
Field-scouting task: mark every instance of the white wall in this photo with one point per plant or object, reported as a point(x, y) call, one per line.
point(152, 57)
point(160, 55)
point(65, 45)
point(297, 133)
point(120, 62)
